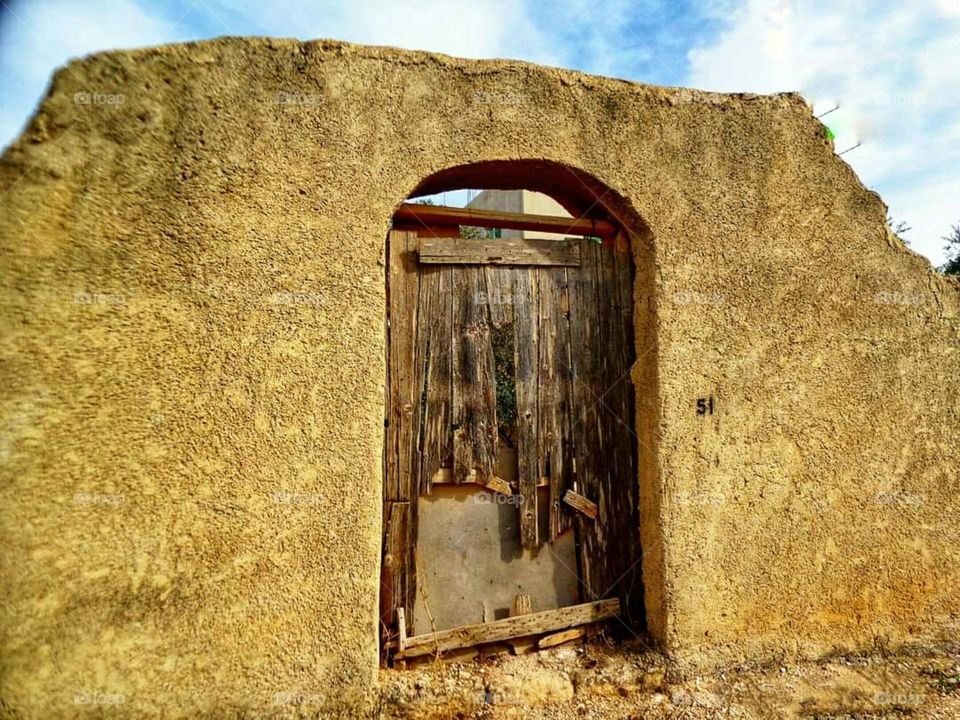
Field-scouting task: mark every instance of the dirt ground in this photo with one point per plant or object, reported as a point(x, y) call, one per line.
point(606, 680)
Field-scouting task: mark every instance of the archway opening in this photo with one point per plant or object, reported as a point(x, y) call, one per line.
point(515, 454)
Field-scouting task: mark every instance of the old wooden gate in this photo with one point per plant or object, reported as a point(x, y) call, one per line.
point(566, 308)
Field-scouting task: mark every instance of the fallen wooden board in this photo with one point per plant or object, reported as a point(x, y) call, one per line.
point(523, 646)
point(548, 641)
point(427, 215)
point(513, 627)
point(519, 251)
point(579, 502)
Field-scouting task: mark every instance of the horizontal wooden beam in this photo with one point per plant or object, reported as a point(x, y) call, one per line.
point(512, 627)
point(510, 251)
point(442, 215)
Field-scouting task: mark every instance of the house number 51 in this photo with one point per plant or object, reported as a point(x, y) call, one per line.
point(705, 406)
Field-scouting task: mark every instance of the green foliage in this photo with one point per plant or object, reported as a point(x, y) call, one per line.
point(952, 266)
point(899, 228)
point(505, 371)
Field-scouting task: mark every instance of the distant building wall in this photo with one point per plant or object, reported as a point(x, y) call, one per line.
point(520, 201)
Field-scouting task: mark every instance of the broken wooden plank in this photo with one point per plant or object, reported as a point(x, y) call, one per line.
point(401, 629)
point(526, 367)
point(522, 604)
point(475, 441)
point(549, 641)
point(523, 646)
point(498, 485)
point(579, 502)
point(513, 627)
point(445, 475)
point(442, 215)
point(397, 572)
point(435, 340)
point(505, 251)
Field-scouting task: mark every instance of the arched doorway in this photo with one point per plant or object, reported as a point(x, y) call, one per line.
point(511, 350)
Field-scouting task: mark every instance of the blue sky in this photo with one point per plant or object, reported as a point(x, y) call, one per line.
point(892, 67)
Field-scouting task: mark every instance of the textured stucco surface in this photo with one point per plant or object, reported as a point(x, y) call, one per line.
point(192, 370)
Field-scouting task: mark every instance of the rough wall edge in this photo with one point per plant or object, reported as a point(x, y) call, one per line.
point(336, 48)
point(330, 48)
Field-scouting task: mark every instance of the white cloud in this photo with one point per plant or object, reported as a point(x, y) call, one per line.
point(37, 37)
point(894, 72)
point(485, 28)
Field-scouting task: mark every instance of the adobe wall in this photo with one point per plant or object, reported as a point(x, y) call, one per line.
point(192, 368)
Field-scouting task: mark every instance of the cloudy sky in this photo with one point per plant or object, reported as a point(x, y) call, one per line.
point(892, 67)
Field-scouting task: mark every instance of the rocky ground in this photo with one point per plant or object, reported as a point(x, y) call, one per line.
point(605, 680)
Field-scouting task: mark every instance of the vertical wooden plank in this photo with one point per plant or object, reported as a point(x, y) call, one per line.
point(611, 473)
point(397, 586)
point(630, 584)
point(585, 434)
point(401, 419)
point(499, 294)
point(474, 383)
point(526, 361)
point(435, 338)
point(554, 390)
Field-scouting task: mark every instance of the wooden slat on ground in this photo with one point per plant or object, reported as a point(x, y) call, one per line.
point(564, 636)
point(474, 390)
point(512, 627)
point(526, 362)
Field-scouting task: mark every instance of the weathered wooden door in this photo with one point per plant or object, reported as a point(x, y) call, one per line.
point(565, 310)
